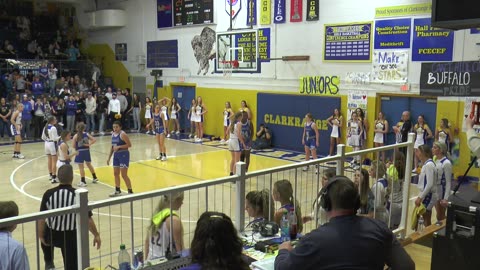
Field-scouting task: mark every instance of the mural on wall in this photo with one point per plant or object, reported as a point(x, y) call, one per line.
point(203, 46)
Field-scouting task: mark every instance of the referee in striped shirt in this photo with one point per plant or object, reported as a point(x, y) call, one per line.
point(61, 231)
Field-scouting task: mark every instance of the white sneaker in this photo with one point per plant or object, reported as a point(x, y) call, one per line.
point(115, 194)
point(60, 124)
point(94, 181)
point(54, 181)
point(190, 136)
point(196, 137)
point(222, 141)
point(102, 133)
point(81, 184)
point(20, 156)
point(172, 132)
point(178, 132)
point(153, 133)
point(158, 158)
point(148, 132)
point(305, 168)
point(14, 156)
point(164, 158)
point(168, 135)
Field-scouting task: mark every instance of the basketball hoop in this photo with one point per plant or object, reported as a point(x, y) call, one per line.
point(228, 67)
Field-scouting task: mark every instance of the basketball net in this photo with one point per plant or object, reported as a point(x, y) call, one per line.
point(228, 67)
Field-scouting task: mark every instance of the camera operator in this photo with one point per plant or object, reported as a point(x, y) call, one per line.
point(264, 138)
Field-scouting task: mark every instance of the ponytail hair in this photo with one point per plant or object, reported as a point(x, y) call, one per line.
point(262, 203)
point(164, 203)
point(64, 134)
point(285, 191)
point(50, 120)
point(80, 130)
point(236, 117)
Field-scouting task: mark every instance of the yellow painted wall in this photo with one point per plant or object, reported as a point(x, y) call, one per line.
point(111, 67)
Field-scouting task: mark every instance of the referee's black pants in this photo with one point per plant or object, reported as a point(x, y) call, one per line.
point(67, 242)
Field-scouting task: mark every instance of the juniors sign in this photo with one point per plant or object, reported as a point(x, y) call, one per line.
point(454, 79)
point(431, 44)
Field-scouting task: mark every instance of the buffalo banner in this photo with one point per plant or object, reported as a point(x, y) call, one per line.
point(451, 79)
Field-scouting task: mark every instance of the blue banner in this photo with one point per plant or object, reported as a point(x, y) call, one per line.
point(284, 115)
point(164, 14)
point(392, 34)
point(431, 44)
point(348, 42)
point(279, 11)
point(475, 31)
point(252, 12)
point(162, 54)
point(244, 41)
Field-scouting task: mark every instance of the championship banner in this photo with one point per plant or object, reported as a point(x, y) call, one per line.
point(450, 79)
point(431, 44)
point(279, 11)
point(392, 34)
point(390, 66)
point(296, 10)
point(252, 12)
point(312, 10)
point(235, 7)
point(164, 14)
point(348, 42)
point(266, 12)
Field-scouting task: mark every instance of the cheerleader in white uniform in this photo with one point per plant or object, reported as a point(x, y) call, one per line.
point(227, 115)
point(175, 116)
point(236, 143)
point(148, 112)
point(244, 108)
point(422, 134)
point(64, 154)
point(381, 129)
point(164, 112)
point(16, 131)
point(444, 181)
point(442, 134)
point(426, 182)
point(51, 137)
point(335, 121)
point(355, 130)
point(192, 117)
point(365, 127)
point(200, 111)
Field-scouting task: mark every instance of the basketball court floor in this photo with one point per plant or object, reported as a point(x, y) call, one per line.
point(25, 181)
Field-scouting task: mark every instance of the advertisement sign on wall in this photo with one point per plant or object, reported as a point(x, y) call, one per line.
point(429, 43)
point(393, 34)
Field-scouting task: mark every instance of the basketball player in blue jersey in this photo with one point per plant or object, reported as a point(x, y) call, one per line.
point(227, 115)
point(159, 122)
point(236, 143)
point(247, 131)
point(51, 137)
point(121, 158)
point(82, 141)
point(310, 139)
point(16, 129)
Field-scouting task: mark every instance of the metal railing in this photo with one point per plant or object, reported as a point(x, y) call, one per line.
point(127, 217)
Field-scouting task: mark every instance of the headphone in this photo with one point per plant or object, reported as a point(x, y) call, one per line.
point(325, 200)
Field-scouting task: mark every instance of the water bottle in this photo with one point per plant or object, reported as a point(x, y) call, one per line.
point(292, 219)
point(285, 228)
point(123, 259)
point(421, 224)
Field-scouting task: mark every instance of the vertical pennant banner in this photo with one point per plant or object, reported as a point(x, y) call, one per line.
point(164, 13)
point(296, 10)
point(233, 8)
point(312, 10)
point(252, 12)
point(279, 11)
point(265, 12)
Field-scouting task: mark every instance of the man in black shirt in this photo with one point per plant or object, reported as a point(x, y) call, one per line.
point(4, 117)
point(347, 241)
point(405, 129)
point(61, 231)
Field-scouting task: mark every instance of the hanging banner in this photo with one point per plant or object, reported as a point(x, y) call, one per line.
point(234, 9)
point(451, 79)
point(121, 51)
point(356, 99)
point(431, 44)
point(320, 85)
point(475, 31)
point(348, 42)
point(251, 12)
point(245, 42)
point(265, 12)
point(296, 10)
point(404, 11)
point(279, 11)
point(164, 14)
point(357, 78)
point(392, 34)
point(390, 66)
point(312, 10)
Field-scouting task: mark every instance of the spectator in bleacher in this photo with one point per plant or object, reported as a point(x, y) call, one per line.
point(102, 109)
point(12, 252)
point(216, 244)
point(71, 110)
point(161, 235)
point(283, 193)
point(109, 93)
point(73, 53)
point(80, 113)
point(137, 108)
point(396, 178)
point(361, 179)
point(128, 112)
point(114, 108)
point(37, 87)
point(54, 48)
point(38, 117)
point(8, 47)
point(8, 81)
point(61, 231)
point(319, 215)
point(5, 113)
point(27, 115)
point(259, 206)
point(90, 110)
point(123, 106)
point(20, 84)
point(52, 79)
point(58, 110)
point(347, 241)
point(380, 189)
point(43, 73)
point(30, 75)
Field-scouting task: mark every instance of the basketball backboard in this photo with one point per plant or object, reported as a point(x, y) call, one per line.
point(237, 51)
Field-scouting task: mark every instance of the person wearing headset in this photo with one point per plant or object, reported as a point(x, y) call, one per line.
point(347, 241)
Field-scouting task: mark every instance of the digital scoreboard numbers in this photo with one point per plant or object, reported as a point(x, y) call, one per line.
point(191, 12)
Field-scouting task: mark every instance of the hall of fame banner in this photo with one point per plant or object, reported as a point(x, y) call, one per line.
point(390, 66)
point(348, 42)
